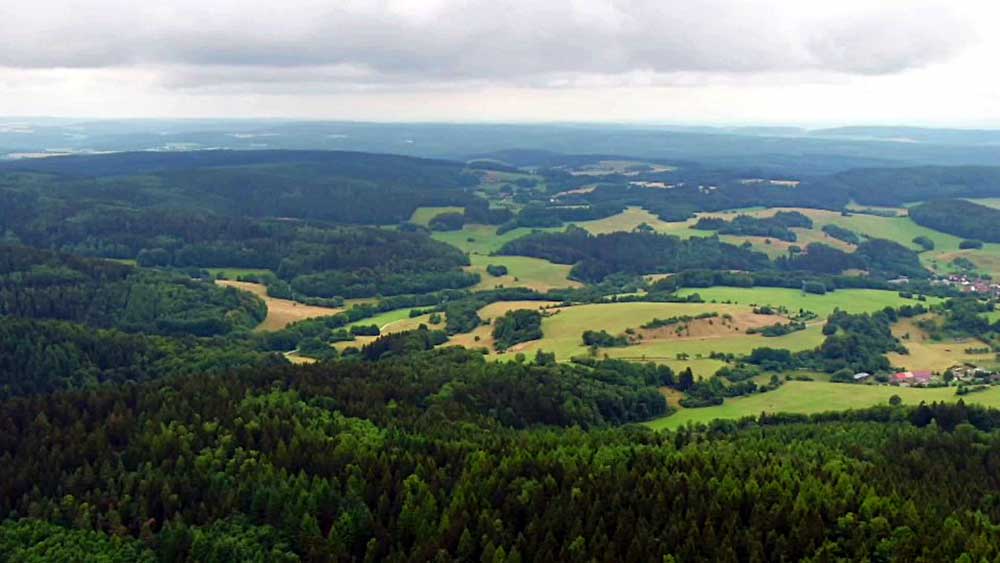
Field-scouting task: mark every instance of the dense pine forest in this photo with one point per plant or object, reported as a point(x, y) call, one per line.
point(443, 457)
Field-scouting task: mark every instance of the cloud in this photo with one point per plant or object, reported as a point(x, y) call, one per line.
point(361, 44)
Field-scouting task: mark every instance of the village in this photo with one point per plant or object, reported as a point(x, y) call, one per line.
point(971, 284)
point(958, 375)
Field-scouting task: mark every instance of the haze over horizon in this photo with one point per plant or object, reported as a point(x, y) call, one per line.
point(721, 62)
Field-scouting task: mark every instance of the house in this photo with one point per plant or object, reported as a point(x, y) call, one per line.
point(903, 378)
point(922, 377)
point(861, 376)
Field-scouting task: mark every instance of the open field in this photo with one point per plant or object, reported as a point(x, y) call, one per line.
point(233, 273)
point(522, 271)
point(993, 202)
point(383, 320)
point(481, 239)
point(899, 229)
point(280, 312)
point(423, 215)
point(936, 356)
point(482, 335)
point(816, 396)
point(563, 328)
point(390, 322)
point(850, 300)
point(632, 217)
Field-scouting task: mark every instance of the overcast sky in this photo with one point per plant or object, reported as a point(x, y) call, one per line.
point(809, 62)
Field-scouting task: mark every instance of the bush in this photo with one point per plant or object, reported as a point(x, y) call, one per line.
point(970, 244)
point(365, 330)
point(496, 270)
point(924, 243)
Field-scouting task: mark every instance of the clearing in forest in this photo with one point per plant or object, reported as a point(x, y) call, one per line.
point(280, 312)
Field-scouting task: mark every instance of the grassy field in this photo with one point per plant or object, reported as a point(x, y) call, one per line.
point(899, 229)
point(816, 396)
point(233, 273)
point(632, 217)
point(563, 328)
point(522, 271)
point(382, 320)
point(423, 215)
point(480, 239)
point(851, 300)
point(280, 312)
point(993, 202)
point(937, 356)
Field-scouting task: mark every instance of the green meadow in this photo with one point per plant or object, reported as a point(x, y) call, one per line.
point(423, 215)
point(522, 271)
point(816, 396)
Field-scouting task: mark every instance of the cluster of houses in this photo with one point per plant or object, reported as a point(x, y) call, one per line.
point(922, 378)
point(973, 285)
point(913, 378)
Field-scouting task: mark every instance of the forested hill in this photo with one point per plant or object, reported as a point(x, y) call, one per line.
point(444, 457)
point(961, 218)
point(40, 284)
point(343, 187)
point(418, 171)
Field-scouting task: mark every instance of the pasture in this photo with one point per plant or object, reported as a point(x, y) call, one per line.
point(937, 356)
point(850, 300)
point(816, 396)
point(522, 271)
point(423, 215)
point(481, 239)
point(563, 328)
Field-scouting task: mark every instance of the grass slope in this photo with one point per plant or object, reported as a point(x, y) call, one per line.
point(423, 215)
point(816, 396)
point(522, 271)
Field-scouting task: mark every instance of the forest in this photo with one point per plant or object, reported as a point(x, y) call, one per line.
point(597, 256)
point(441, 456)
point(40, 284)
point(959, 217)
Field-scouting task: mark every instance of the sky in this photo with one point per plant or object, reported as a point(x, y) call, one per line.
point(794, 62)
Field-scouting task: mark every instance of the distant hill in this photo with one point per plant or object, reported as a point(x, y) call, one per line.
point(782, 149)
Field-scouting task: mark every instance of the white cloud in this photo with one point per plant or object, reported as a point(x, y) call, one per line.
point(430, 58)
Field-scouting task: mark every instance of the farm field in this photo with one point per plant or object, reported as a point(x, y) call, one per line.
point(936, 356)
point(850, 300)
point(390, 322)
point(815, 396)
point(632, 217)
point(280, 312)
point(522, 271)
point(423, 215)
point(562, 330)
point(233, 273)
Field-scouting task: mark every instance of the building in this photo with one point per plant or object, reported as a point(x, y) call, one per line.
point(861, 376)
